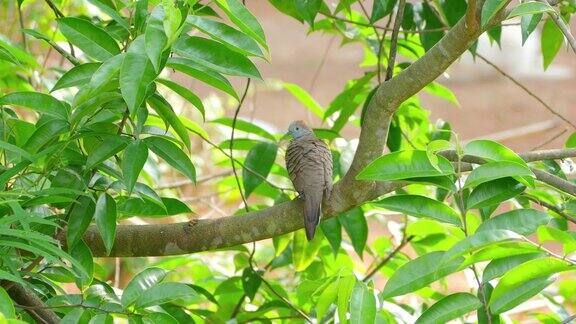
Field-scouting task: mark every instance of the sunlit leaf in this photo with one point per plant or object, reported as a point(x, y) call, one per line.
point(420, 206)
point(404, 165)
point(449, 308)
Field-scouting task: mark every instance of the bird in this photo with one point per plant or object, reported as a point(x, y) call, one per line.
point(309, 164)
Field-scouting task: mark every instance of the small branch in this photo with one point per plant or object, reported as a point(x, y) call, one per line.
point(59, 14)
point(471, 15)
point(394, 39)
point(33, 304)
point(387, 258)
point(528, 91)
point(308, 319)
point(556, 182)
point(552, 208)
point(232, 144)
point(71, 58)
point(569, 319)
point(550, 140)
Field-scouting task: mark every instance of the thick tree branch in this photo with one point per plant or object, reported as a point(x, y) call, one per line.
point(204, 235)
point(37, 308)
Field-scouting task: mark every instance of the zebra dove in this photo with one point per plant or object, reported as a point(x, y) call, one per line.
point(309, 164)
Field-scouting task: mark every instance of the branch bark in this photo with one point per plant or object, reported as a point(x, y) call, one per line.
point(37, 308)
point(204, 235)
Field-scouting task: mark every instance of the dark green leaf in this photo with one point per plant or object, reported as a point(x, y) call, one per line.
point(80, 217)
point(109, 147)
point(136, 73)
point(251, 281)
point(490, 9)
point(494, 192)
point(133, 161)
point(496, 170)
point(421, 206)
point(39, 102)
point(81, 253)
point(215, 56)
point(77, 76)
point(105, 215)
point(404, 165)
point(150, 208)
point(229, 36)
point(381, 8)
point(203, 74)
point(164, 110)
point(184, 93)
point(172, 154)
point(355, 225)
point(528, 24)
point(521, 221)
point(162, 293)
point(454, 10)
point(430, 38)
point(244, 19)
point(308, 9)
point(419, 273)
point(91, 39)
point(449, 308)
point(498, 267)
point(155, 37)
point(108, 8)
point(140, 283)
point(333, 232)
point(259, 160)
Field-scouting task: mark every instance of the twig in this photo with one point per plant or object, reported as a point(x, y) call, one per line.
point(59, 14)
point(551, 139)
point(394, 39)
point(71, 58)
point(552, 208)
point(387, 258)
point(569, 319)
point(555, 181)
point(308, 319)
point(532, 94)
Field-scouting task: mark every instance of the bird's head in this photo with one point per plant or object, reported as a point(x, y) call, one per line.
point(298, 129)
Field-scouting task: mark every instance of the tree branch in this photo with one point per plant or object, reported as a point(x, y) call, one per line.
point(40, 312)
point(211, 234)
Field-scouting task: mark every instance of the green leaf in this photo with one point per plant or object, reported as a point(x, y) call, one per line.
point(528, 24)
point(16, 150)
point(155, 39)
point(421, 206)
point(449, 308)
point(79, 218)
point(164, 110)
point(227, 35)
point(151, 208)
point(136, 73)
point(419, 273)
point(356, 226)
point(304, 252)
point(492, 151)
point(362, 304)
point(105, 215)
point(39, 102)
point(208, 76)
point(162, 293)
point(105, 73)
point(530, 8)
point(244, 19)
point(332, 230)
point(305, 99)
point(184, 93)
point(479, 240)
point(441, 91)
point(251, 281)
point(571, 141)
point(494, 192)
point(498, 267)
point(111, 145)
point(110, 11)
point(134, 158)
point(381, 8)
point(345, 287)
point(490, 9)
point(44, 134)
point(140, 283)
point(77, 76)
point(259, 160)
point(213, 55)
point(326, 298)
point(172, 154)
point(551, 42)
point(81, 253)
point(245, 126)
point(404, 165)
point(431, 37)
point(533, 269)
point(496, 170)
point(6, 305)
point(91, 39)
point(567, 239)
point(308, 9)
point(515, 297)
point(521, 221)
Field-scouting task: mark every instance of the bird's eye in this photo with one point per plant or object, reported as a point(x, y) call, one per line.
point(297, 128)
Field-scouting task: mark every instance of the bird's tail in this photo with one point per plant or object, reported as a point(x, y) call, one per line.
point(312, 210)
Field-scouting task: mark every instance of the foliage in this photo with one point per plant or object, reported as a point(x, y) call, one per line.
point(88, 142)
